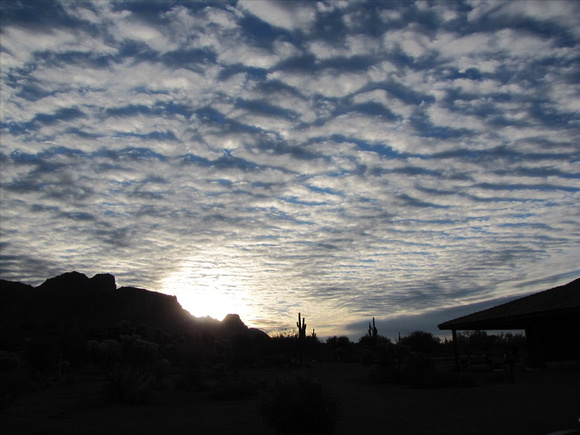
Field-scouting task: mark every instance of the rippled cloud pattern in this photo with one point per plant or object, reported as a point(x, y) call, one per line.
point(343, 159)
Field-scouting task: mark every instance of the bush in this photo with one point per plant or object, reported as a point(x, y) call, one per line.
point(438, 379)
point(419, 372)
point(422, 374)
point(13, 380)
point(128, 364)
point(190, 379)
point(299, 405)
point(232, 390)
point(278, 361)
point(368, 357)
point(420, 341)
point(385, 375)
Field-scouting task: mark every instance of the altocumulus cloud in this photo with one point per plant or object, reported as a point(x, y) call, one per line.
point(342, 159)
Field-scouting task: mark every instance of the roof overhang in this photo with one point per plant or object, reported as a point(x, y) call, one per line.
point(503, 323)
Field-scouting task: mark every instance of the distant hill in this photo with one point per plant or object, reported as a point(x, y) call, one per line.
point(75, 301)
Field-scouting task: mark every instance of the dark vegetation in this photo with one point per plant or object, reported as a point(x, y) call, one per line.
point(141, 349)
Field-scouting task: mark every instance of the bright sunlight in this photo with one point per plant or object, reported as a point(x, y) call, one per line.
point(209, 289)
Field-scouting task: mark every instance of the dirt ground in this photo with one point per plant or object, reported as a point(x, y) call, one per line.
point(540, 402)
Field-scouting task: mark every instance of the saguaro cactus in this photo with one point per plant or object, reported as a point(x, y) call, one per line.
point(301, 327)
point(301, 338)
point(373, 331)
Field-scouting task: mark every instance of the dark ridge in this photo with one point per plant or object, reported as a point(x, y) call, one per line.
point(74, 301)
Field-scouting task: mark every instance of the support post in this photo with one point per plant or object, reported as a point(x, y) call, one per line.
point(455, 348)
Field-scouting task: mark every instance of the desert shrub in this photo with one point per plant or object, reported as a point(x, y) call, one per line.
point(42, 353)
point(244, 351)
point(368, 357)
point(248, 350)
point(9, 362)
point(13, 379)
point(338, 349)
point(420, 341)
point(135, 394)
point(420, 363)
point(385, 375)
point(473, 342)
point(341, 354)
point(438, 379)
point(299, 405)
point(278, 361)
point(189, 379)
point(338, 342)
point(371, 341)
point(162, 370)
point(433, 378)
point(219, 370)
point(421, 373)
point(283, 343)
point(392, 360)
point(227, 390)
point(128, 364)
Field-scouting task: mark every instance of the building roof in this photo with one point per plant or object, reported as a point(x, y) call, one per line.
point(517, 313)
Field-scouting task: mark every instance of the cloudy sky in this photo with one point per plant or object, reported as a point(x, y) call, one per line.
point(344, 159)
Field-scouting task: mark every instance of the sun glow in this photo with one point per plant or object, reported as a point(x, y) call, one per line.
point(209, 289)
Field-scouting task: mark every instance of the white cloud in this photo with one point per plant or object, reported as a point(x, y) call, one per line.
point(254, 56)
point(354, 45)
point(558, 11)
point(287, 15)
point(21, 44)
point(450, 45)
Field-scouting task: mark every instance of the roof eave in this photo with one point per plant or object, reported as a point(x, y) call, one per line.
point(501, 323)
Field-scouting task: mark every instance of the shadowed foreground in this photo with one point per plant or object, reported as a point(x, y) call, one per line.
point(538, 403)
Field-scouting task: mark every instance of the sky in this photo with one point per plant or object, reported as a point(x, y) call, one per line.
point(408, 161)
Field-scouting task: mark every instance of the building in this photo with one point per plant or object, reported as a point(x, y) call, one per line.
point(551, 320)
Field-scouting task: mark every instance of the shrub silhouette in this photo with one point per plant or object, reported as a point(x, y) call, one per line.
point(339, 349)
point(299, 405)
point(232, 389)
point(420, 341)
point(13, 380)
point(42, 353)
point(128, 364)
point(293, 347)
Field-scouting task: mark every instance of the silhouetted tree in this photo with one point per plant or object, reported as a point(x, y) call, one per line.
point(420, 341)
point(343, 341)
point(340, 348)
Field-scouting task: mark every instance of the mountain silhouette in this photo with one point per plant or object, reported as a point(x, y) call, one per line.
point(75, 301)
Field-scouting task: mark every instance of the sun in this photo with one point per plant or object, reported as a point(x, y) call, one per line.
point(214, 298)
point(208, 290)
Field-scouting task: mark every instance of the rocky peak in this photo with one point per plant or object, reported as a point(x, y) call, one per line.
point(79, 281)
point(233, 323)
point(66, 280)
point(103, 282)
